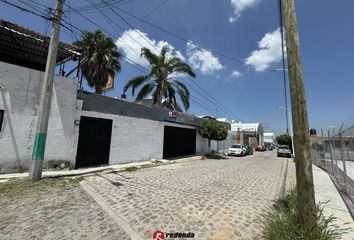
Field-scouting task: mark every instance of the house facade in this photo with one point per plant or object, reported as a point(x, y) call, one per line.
point(269, 139)
point(85, 129)
point(248, 133)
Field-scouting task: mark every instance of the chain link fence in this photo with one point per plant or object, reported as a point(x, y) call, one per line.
point(334, 152)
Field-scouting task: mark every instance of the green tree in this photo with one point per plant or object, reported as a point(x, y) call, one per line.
point(100, 59)
point(284, 140)
point(161, 81)
point(213, 131)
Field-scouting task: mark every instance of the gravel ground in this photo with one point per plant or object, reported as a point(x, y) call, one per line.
point(65, 212)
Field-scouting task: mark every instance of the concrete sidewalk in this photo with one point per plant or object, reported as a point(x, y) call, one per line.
point(325, 190)
point(94, 170)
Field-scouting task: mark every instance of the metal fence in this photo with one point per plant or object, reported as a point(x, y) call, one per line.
point(334, 152)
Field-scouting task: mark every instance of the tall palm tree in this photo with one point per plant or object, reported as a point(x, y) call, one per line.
point(100, 59)
point(161, 81)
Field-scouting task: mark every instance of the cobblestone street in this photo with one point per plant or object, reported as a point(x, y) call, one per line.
point(214, 199)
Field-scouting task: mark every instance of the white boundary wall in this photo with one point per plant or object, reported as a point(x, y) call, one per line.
point(136, 139)
point(20, 93)
point(133, 139)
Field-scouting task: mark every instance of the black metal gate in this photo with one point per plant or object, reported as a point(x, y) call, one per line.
point(94, 142)
point(178, 142)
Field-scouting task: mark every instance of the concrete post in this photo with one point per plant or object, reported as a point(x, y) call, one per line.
point(348, 190)
point(36, 167)
point(324, 148)
point(315, 153)
point(331, 152)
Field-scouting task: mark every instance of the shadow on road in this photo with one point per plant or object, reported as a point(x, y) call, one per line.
point(216, 157)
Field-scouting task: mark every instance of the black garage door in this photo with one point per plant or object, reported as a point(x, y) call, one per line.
point(178, 142)
point(94, 142)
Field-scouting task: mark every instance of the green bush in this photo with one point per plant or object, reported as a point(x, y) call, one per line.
point(283, 222)
point(213, 130)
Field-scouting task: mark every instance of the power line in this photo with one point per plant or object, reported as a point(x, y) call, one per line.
point(34, 13)
point(152, 11)
point(32, 7)
point(72, 33)
point(207, 97)
point(227, 87)
point(124, 20)
point(181, 38)
point(102, 6)
point(121, 17)
point(113, 24)
point(25, 10)
point(39, 4)
point(283, 60)
point(127, 60)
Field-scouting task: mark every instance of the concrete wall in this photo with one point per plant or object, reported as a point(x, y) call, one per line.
point(230, 140)
point(133, 139)
point(20, 93)
point(137, 139)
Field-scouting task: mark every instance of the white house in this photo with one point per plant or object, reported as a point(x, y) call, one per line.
point(85, 129)
point(269, 138)
point(248, 133)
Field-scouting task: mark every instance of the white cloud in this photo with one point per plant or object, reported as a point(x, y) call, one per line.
point(268, 53)
point(239, 6)
point(132, 41)
point(236, 74)
point(202, 59)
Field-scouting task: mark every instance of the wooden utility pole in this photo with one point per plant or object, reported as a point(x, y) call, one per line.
point(306, 204)
point(36, 166)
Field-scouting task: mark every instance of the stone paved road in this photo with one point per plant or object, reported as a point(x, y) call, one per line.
point(215, 199)
point(64, 213)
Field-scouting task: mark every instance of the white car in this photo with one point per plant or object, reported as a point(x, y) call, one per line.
point(284, 151)
point(236, 150)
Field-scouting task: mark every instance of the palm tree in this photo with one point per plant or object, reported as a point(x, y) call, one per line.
point(100, 59)
point(161, 81)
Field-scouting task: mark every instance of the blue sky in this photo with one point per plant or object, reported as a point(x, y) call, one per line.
point(247, 32)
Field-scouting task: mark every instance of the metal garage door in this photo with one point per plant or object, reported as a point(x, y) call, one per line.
point(94, 142)
point(178, 142)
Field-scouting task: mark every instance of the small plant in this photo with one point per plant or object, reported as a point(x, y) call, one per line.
point(131, 169)
point(25, 187)
point(283, 222)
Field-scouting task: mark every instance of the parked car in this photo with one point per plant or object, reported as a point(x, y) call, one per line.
point(260, 148)
point(284, 151)
point(236, 150)
point(249, 149)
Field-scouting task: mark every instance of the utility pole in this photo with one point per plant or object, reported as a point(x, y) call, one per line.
point(36, 166)
point(306, 204)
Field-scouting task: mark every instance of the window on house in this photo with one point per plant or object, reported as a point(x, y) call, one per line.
point(1, 118)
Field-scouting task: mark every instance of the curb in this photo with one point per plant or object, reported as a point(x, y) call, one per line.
point(108, 169)
point(119, 220)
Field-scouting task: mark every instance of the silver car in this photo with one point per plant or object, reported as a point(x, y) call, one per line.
point(284, 151)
